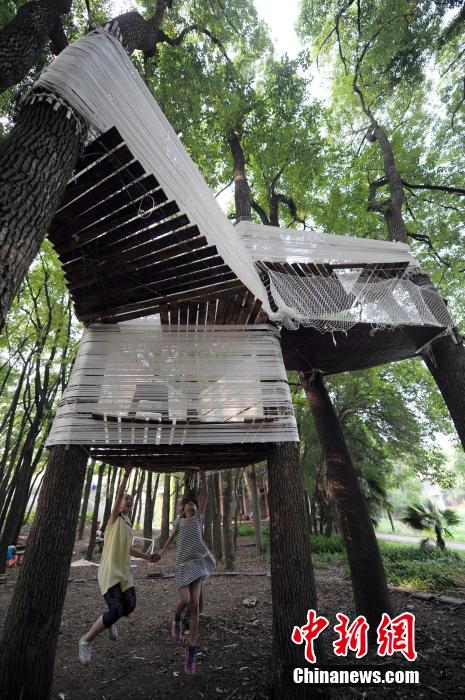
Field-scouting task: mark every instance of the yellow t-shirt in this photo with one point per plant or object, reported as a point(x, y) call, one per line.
point(115, 565)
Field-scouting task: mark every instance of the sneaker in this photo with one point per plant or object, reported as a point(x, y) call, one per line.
point(176, 630)
point(85, 651)
point(189, 659)
point(112, 633)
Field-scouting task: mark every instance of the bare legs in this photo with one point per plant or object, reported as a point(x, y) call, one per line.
point(96, 628)
point(190, 594)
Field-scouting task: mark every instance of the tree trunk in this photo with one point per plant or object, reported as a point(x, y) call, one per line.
point(439, 539)
point(445, 360)
point(241, 186)
point(208, 527)
point(216, 496)
point(150, 496)
point(110, 496)
point(24, 37)
point(366, 566)
point(36, 161)
point(292, 578)
point(33, 619)
point(93, 529)
point(251, 479)
point(445, 357)
point(107, 511)
point(165, 512)
point(85, 500)
point(138, 503)
point(227, 530)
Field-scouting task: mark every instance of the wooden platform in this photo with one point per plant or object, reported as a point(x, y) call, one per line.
point(128, 251)
point(174, 458)
point(306, 348)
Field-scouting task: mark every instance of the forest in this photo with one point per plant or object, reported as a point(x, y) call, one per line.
point(355, 131)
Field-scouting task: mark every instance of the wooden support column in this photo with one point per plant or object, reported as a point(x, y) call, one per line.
point(292, 578)
point(27, 650)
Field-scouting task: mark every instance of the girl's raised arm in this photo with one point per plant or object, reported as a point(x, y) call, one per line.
point(119, 496)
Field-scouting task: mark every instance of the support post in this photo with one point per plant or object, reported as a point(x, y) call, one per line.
point(292, 577)
point(33, 619)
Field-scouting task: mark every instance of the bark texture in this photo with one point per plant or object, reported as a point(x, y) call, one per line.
point(85, 500)
point(366, 566)
point(93, 528)
point(165, 512)
point(217, 538)
point(23, 38)
point(36, 161)
point(250, 476)
point(292, 577)
point(33, 619)
point(227, 529)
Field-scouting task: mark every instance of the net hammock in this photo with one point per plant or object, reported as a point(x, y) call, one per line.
point(139, 383)
point(332, 283)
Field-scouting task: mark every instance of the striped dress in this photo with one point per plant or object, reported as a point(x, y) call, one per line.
point(194, 561)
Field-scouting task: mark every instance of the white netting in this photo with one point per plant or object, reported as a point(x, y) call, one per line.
point(333, 282)
point(139, 383)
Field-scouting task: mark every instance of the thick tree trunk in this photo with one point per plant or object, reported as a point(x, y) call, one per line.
point(227, 530)
point(292, 578)
point(208, 527)
point(366, 566)
point(33, 620)
point(16, 512)
point(36, 161)
point(251, 479)
point(24, 37)
point(216, 497)
point(165, 512)
point(445, 360)
point(241, 186)
point(85, 500)
point(93, 529)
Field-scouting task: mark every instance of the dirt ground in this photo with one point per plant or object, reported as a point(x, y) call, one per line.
point(235, 641)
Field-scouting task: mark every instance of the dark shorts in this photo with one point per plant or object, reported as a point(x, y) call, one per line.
point(119, 604)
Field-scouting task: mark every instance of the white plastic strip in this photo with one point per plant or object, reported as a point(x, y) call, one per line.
point(96, 77)
point(137, 383)
point(273, 244)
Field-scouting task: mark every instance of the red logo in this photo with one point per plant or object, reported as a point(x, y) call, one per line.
point(309, 632)
point(353, 637)
point(397, 635)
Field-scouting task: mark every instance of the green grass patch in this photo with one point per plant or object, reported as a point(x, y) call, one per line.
point(428, 569)
point(248, 530)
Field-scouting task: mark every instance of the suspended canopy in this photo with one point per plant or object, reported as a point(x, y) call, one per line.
point(176, 398)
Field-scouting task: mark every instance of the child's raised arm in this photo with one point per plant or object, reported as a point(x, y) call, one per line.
point(119, 496)
point(168, 541)
point(204, 491)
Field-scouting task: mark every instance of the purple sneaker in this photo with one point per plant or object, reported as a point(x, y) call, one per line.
point(189, 659)
point(176, 630)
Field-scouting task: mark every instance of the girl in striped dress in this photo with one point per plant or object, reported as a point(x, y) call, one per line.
point(194, 563)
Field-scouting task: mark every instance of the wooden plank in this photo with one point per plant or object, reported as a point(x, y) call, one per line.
point(134, 277)
point(130, 200)
point(115, 293)
point(151, 305)
point(114, 229)
point(102, 190)
point(98, 148)
point(94, 268)
point(112, 163)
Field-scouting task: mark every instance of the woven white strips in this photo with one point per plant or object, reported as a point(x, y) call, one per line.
point(138, 383)
point(274, 244)
point(96, 77)
point(383, 295)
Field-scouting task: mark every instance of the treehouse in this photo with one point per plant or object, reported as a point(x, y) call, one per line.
point(139, 233)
